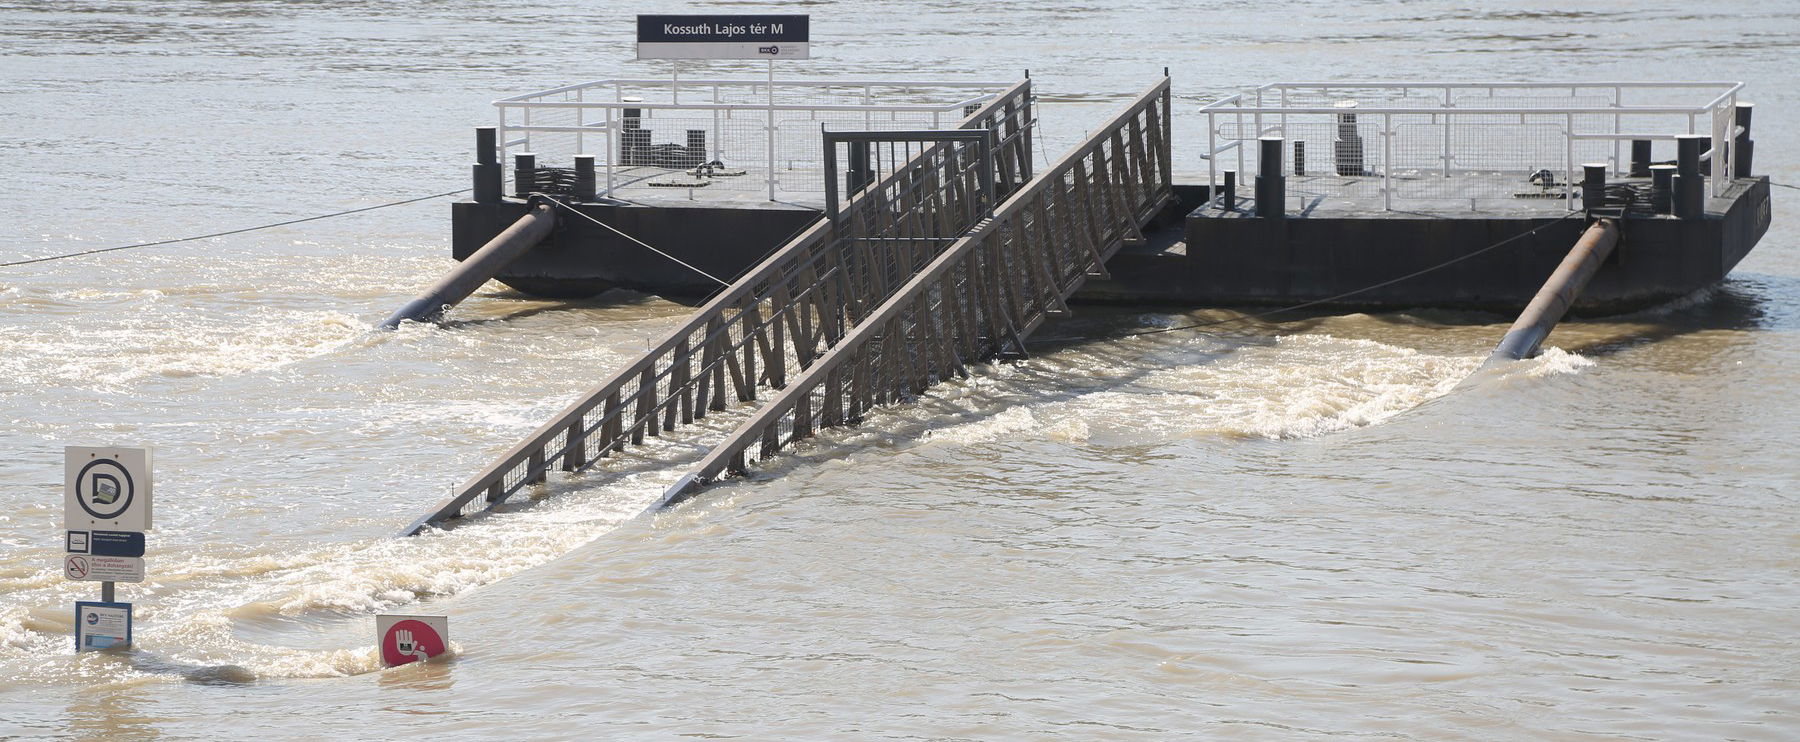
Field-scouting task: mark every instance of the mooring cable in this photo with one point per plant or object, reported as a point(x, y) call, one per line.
point(234, 231)
point(1328, 299)
point(646, 245)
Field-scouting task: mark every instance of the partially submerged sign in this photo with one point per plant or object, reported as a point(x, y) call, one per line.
point(722, 36)
point(407, 639)
point(101, 625)
point(106, 489)
point(89, 568)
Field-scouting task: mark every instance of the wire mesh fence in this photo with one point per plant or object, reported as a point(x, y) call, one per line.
point(711, 136)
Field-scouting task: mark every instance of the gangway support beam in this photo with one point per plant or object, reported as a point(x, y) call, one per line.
point(1558, 293)
point(470, 274)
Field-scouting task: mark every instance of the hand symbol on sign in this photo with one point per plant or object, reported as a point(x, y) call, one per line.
point(403, 641)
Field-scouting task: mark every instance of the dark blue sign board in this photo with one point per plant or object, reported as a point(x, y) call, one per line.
point(116, 543)
point(723, 36)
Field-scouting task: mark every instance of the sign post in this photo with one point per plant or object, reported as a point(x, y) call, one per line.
point(106, 510)
point(768, 37)
point(406, 639)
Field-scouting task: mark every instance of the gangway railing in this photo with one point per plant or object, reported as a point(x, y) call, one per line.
point(774, 322)
point(979, 299)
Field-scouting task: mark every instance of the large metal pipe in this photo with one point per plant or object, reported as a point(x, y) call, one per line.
point(1557, 294)
point(470, 274)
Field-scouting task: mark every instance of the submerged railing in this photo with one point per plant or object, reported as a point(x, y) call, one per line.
point(777, 320)
point(980, 298)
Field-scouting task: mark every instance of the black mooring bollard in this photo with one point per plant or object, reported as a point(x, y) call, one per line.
point(1300, 158)
point(1271, 188)
point(584, 178)
point(1228, 201)
point(1743, 148)
point(1690, 188)
point(487, 173)
point(1640, 158)
point(1662, 188)
point(1593, 186)
point(524, 174)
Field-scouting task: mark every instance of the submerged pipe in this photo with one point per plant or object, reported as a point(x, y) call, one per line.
point(470, 274)
point(1557, 294)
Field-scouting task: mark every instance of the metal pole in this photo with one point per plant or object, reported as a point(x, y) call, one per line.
point(771, 130)
point(1387, 162)
point(1743, 148)
point(1690, 193)
point(612, 155)
point(106, 592)
point(1557, 294)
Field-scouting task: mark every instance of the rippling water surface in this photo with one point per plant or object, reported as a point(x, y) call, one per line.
point(1291, 529)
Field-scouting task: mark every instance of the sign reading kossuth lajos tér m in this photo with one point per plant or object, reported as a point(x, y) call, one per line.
point(722, 36)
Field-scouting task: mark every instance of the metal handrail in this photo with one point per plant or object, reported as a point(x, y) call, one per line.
point(751, 82)
point(817, 252)
point(991, 289)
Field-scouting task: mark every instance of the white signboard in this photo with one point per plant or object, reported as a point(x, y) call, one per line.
point(723, 36)
point(406, 639)
point(101, 625)
point(90, 568)
point(106, 489)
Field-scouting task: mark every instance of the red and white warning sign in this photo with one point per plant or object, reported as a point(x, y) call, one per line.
point(103, 568)
point(405, 639)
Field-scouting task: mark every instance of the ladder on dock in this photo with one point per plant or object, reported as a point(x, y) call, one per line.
point(917, 277)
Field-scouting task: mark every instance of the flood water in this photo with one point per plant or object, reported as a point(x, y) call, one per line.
point(1283, 529)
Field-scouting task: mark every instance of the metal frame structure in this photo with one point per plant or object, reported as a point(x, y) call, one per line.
point(598, 109)
point(978, 299)
point(775, 321)
point(1273, 109)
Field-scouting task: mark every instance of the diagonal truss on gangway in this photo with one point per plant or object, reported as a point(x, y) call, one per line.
point(917, 278)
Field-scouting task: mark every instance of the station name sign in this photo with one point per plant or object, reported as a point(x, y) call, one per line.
point(722, 36)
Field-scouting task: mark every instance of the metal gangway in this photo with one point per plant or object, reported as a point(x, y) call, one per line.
point(952, 257)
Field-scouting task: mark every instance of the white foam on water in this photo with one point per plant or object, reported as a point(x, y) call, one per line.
point(1295, 386)
point(144, 345)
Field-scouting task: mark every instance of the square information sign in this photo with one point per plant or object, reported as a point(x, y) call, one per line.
point(101, 625)
point(106, 489)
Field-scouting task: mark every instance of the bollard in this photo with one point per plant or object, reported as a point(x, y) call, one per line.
point(1593, 186)
point(1744, 148)
point(696, 147)
point(1347, 148)
point(1300, 158)
point(1690, 188)
point(1640, 158)
point(488, 187)
point(1228, 200)
point(1271, 189)
point(585, 186)
point(634, 140)
point(1662, 188)
point(857, 174)
point(524, 174)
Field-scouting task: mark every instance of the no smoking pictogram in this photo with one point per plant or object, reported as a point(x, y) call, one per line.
point(77, 567)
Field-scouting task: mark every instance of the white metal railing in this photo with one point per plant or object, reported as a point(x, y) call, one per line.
point(1463, 141)
point(753, 132)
